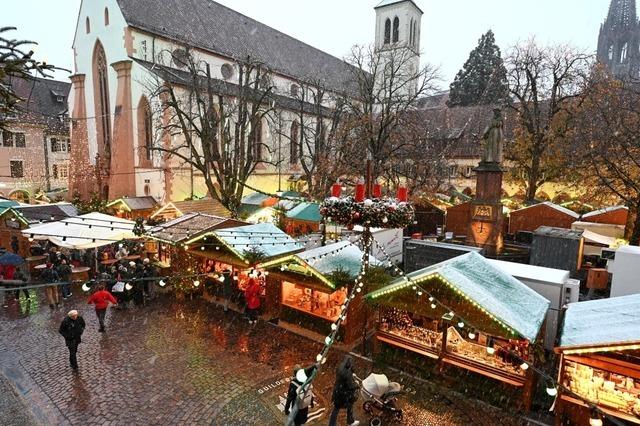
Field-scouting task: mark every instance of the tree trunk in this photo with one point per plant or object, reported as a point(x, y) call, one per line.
point(532, 181)
point(632, 232)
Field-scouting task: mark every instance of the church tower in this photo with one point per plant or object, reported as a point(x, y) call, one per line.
point(398, 25)
point(619, 40)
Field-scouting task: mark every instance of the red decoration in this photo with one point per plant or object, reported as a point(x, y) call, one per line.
point(403, 194)
point(336, 188)
point(377, 190)
point(360, 191)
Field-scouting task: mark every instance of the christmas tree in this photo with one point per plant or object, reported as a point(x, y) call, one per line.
point(483, 78)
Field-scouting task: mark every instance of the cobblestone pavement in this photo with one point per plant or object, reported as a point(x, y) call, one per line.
point(13, 410)
point(179, 362)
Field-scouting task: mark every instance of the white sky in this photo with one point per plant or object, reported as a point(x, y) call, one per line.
point(450, 28)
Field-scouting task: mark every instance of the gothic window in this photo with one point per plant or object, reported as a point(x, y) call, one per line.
point(101, 90)
point(227, 71)
point(87, 25)
point(411, 32)
point(257, 141)
point(295, 90)
point(387, 31)
point(610, 53)
point(396, 29)
point(293, 148)
point(145, 133)
point(106, 17)
point(415, 33)
point(623, 53)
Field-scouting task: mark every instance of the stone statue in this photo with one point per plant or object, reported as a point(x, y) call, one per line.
point(492, 139)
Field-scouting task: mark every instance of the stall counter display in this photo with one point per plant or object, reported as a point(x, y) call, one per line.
point(608, 389)
point(323, 305)
point(400, 324)
point(461, 347)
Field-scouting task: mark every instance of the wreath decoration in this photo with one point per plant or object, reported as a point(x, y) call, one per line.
point(374, 213)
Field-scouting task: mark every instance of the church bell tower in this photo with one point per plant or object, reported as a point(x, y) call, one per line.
point(619, 40)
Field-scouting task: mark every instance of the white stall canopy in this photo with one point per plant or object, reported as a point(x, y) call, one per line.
point(84, 232)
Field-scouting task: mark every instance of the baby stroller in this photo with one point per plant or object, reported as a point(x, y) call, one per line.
point(379, 395)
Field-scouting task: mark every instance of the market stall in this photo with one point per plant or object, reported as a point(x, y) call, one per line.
point(465, 313)
point(240, 250)
point(600, 360)
point(311, 287)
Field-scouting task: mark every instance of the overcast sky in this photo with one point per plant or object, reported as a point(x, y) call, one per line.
point(450, 29)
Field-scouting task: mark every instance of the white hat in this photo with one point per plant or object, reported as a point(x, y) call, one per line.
point(132, 263)
point(146, 260)
point(72, 313)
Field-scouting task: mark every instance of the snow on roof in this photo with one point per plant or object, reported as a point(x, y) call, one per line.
point(594, 237)
point(348, 258)
point(265, 237)
point(629, 249)
point(602, 322)
point(309, 212)
point(497, 292)
point(553, 206)
point(384, 3)
point(604, 210)
point(531, 272)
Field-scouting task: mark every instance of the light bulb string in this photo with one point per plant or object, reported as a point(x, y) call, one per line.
point(544, 375)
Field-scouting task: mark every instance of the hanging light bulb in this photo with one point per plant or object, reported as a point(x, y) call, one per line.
point(472, 335)
point(85, 287)
point(301, 376)
point(221, 278)
point(552, 390)
point(196, 283)
point(128, 286)
point(524, 366)
point(319, 357)
point(334, 326)
point(491, 351)
point(431, 299)
point(461, 324)
point(162, 283)
point(327, 340)
point(433, 306)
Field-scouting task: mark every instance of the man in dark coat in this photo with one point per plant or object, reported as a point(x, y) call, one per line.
point(344, 392)
point(64, 273)
point(71, 329)
point(227, 291)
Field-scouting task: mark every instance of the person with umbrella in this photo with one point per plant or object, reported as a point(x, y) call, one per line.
point(8, 266)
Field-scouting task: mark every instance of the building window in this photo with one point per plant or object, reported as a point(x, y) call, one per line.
point(59, 145)
point(88, 25)
point(387, 31)
point(396, 29)
point(415, 33)
point(295, 90)
point(610, 53)
point(11, 139)
point(411, 32)
point(257, 141)
point(106, 16)
point(227, 71)
point(145, 133)
point(147, 187)
point(17, 168)
point(623, 53)
point(60, 171)
point(180, 58)
point(293, 148)
point(453, 171)
point(103, 110)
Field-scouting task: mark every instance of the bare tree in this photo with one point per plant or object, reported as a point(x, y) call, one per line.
point(382, 112)
point(606, 145)
point(217, 122)
point(543, 81)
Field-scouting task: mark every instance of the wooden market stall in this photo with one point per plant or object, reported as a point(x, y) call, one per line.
point(508, 315)
point(176, 209)
point(133, 208)
point(303, 219)
point(544, 214)
point(600, 361)
point(241, 250)
point(310, 288)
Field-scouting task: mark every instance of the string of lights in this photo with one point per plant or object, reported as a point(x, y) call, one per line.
point(551, 382)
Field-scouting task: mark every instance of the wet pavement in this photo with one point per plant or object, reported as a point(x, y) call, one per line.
point(182, 362)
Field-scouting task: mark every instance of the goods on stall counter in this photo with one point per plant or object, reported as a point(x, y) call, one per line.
point(417, 334)
point(609, 389)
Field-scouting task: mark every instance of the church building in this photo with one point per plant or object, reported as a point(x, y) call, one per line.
point(619, 40)
point(121, 46)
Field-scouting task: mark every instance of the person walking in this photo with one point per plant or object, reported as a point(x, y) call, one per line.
point(50, 276)
point(252, 297)
point(300, 395)
point(64, 273)
point(15, 244)
point(19, 275)
point(345, 392)
point(71, 329)
point(227, 292)
point(101, 299)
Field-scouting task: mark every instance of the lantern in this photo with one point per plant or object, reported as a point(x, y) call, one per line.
point(377, 190)
point(360, 191)
point(335, 190)
point(403, 194)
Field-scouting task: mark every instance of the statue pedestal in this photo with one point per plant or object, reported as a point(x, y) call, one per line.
point(486, 221)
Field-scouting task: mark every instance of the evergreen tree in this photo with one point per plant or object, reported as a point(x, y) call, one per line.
point(483, 78)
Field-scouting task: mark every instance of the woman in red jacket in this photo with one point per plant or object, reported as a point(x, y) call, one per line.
point(252, 297)
point(101, 300)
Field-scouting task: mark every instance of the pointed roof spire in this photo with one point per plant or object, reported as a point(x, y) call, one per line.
point(622, 13)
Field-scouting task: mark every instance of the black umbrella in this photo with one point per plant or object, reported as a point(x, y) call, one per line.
point(11, 259)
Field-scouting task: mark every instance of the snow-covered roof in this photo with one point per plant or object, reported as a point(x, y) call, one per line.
point(265, 237)
point(551, 205)
point(384, 3)
point(603, 211)
point(346, 256)
point(531, 272)
point(494, 290)
point(603, 322)
point(593, 237)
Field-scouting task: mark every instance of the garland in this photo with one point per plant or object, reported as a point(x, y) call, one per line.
point(376, 213)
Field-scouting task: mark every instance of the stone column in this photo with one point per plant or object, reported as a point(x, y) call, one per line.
point(122, 180)
point(81, 172)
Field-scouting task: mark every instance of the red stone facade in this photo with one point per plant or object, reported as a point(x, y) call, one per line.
point(531, 218)
point(613, 217)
